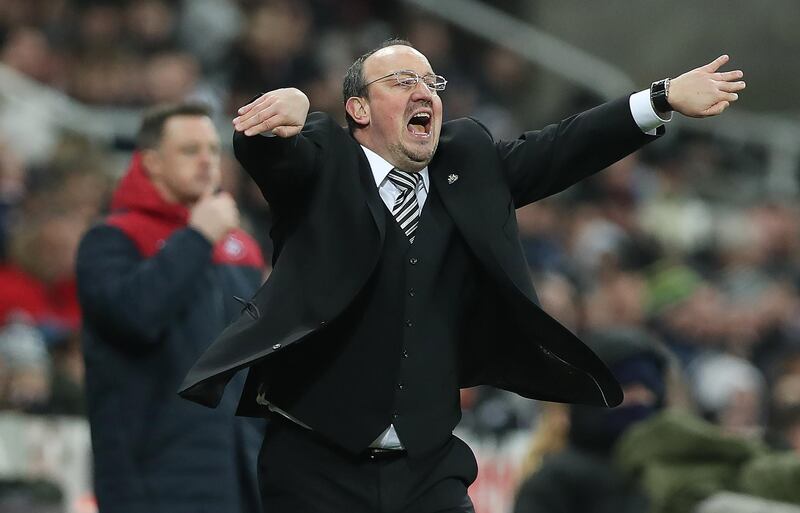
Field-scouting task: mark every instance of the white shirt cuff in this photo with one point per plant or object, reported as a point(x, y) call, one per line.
point(645, 115)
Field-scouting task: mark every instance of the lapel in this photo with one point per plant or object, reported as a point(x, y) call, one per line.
point(371, 195)
point(481, 208)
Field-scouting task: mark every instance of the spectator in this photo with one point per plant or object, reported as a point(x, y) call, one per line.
point(26, 373)
point(729, 392)
point(679, 460)
point(157, 281)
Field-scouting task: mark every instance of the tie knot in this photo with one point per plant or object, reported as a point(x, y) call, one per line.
point(403, 180)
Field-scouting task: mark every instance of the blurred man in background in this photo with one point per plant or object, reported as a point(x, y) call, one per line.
point(157, 282)
point(399, 278)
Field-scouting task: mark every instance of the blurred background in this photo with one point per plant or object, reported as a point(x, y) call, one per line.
point(693, 240)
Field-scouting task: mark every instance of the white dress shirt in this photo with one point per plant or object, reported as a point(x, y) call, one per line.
point(386, 188)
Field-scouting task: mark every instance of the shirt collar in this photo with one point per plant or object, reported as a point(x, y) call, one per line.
point(380, 169)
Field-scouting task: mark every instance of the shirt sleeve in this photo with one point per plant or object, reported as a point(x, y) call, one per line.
point(645, 115)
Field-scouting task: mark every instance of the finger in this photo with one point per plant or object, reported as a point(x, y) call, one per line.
point(256, 110)
point(729, 97)
point(730, 87)
point(254, 116)
point(287, 131)
point(716, 109)
point(258, 117)
point(246, 108)
point(253, 103)
point(265, 126)
point(729, 76)
point(716, 63)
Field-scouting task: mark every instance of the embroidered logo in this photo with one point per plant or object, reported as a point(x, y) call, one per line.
point(451, 179)
point(233, 247)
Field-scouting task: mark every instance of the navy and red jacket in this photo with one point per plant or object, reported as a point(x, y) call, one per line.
point(154, 294)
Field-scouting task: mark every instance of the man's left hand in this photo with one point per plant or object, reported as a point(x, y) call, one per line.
point(705, 91)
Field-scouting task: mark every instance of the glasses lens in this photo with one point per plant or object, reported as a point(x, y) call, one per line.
point(435, 82)
point(406, 78)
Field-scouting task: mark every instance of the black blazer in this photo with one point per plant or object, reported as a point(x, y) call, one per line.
point(330, 226)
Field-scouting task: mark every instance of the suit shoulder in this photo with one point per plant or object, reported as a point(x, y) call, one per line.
point(465, 133)
point(322, 122)
point(466, 127)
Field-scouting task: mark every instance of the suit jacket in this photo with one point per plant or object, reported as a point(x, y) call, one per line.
point(330, 227)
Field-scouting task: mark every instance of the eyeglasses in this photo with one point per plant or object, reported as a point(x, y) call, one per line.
point(408, 78)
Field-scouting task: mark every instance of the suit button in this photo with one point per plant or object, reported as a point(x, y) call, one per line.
point(412, 292)
point(413, 260)
point(395, 415)
point(409, 324)
point(275, 347)
point(401, 386)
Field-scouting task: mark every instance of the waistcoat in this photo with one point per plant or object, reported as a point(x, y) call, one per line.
point(392, 356)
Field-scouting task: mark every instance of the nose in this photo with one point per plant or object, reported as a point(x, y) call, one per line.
point(422, 92)
point(205, 156)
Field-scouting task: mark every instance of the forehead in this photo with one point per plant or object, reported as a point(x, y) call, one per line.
point(188, 127)
point(395, 58)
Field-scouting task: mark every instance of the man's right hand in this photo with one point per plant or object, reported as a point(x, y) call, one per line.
point(281, 112)
point(214, 216)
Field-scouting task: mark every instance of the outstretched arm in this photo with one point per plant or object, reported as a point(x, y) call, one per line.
point(547, 161)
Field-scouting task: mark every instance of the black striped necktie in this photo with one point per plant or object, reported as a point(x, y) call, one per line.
point(406, 208)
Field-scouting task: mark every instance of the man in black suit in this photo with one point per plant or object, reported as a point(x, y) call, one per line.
point(398, 278)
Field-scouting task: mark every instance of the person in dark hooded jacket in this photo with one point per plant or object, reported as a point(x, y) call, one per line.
point(158, 280)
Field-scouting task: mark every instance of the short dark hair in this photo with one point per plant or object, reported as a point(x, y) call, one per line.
point(154, 119)
point(353, 84)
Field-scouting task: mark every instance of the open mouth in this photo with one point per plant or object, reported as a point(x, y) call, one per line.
point(420, 124)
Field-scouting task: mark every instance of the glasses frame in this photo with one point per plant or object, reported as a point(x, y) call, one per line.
point(411, 79)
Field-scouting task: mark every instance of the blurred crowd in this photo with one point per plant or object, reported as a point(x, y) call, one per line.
point(675, 241)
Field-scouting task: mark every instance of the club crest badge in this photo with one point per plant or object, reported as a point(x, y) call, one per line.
point(233, 247)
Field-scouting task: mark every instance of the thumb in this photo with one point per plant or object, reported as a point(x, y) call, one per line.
point(287, 131)
point(717, 63)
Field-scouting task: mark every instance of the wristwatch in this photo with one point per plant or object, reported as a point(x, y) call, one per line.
point(659, 96)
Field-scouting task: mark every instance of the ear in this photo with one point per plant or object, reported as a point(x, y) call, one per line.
point(151, 163)
point(358, 109)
